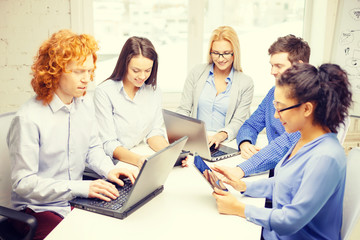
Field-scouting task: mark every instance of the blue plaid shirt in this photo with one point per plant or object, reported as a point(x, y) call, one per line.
point(279, 140)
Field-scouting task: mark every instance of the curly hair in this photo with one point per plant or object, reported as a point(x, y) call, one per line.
point(53, 56)
point(327, 86)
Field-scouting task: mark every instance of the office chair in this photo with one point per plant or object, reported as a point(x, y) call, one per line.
point(6, 229)
point(351, 206)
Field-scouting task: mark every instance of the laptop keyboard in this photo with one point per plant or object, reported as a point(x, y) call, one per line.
point(116, 203)
point(216, 152)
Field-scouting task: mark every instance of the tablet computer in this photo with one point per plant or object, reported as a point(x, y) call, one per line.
point(208, 174)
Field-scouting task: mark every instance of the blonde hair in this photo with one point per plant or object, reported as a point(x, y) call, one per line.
point(227, 33)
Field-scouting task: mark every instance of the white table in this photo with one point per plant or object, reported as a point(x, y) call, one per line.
point(184, 210)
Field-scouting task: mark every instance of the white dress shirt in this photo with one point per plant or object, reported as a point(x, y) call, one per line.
point(49, 146)
point(124, 121)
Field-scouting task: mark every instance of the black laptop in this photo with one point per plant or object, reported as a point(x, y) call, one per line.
point(148, 184)
point(178, 125)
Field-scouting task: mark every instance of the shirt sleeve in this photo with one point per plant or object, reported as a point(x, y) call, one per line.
point(23, 142)
point(260, 189)
point(188, 93)
point(158, 123)
point(96, 157)
point(104, 117)
point(251, 128)
point(269, 156)
point(314, 192)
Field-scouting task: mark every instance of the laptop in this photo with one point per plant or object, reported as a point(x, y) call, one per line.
point(178, 125)
point(148, 184)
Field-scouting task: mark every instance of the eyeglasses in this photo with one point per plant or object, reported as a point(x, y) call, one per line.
point(217, 55)
point(284, 109)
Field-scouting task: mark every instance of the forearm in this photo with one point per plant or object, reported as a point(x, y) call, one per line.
point(240, 209)
point(260, 188)
point(269, 156)
point(247, 133)
point(125, 155)
point(40, 190)
point(157, 143)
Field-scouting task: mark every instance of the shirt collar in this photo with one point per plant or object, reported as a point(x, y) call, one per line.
point(122, 90)
point(230, 76)
point(56, 104)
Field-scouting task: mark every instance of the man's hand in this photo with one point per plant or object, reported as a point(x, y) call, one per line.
point(103, 190)
point(247, 149)
point(115, 174)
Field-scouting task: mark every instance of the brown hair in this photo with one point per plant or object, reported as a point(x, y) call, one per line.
point(136, 46)
point(296, 47)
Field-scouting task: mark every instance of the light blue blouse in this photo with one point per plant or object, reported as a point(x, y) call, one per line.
point(307, 192)
point(124, 121)
point(212, 108)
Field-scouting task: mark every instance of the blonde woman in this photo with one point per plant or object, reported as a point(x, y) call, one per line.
point(218, 92)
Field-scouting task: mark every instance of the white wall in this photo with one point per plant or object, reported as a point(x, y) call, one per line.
point(319, 27)
point(24, 25)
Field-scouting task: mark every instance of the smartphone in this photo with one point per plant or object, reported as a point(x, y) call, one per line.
point(181, 157)
point(208, 174)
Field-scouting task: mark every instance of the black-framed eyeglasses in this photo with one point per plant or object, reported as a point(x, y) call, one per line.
point(287, 108)
point(217, 55)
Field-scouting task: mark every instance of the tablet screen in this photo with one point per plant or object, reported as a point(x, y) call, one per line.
point(208, 174)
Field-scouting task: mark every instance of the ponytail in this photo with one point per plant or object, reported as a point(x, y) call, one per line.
point(328, 87)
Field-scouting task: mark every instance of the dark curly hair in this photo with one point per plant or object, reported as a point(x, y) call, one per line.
point(327, 86)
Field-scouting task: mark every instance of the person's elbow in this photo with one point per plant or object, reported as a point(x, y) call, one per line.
point(286, 228)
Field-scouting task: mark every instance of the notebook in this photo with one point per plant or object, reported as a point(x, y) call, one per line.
point(147, 185)
point(178, 125)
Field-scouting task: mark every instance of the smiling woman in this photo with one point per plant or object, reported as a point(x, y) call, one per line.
point(308, 186)
point(218, 92)
point(128, 103)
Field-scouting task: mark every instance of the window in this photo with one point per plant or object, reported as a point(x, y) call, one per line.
point(164, 23)
point(177, 27)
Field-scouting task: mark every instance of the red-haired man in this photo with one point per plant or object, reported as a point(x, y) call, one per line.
point(54, 135)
